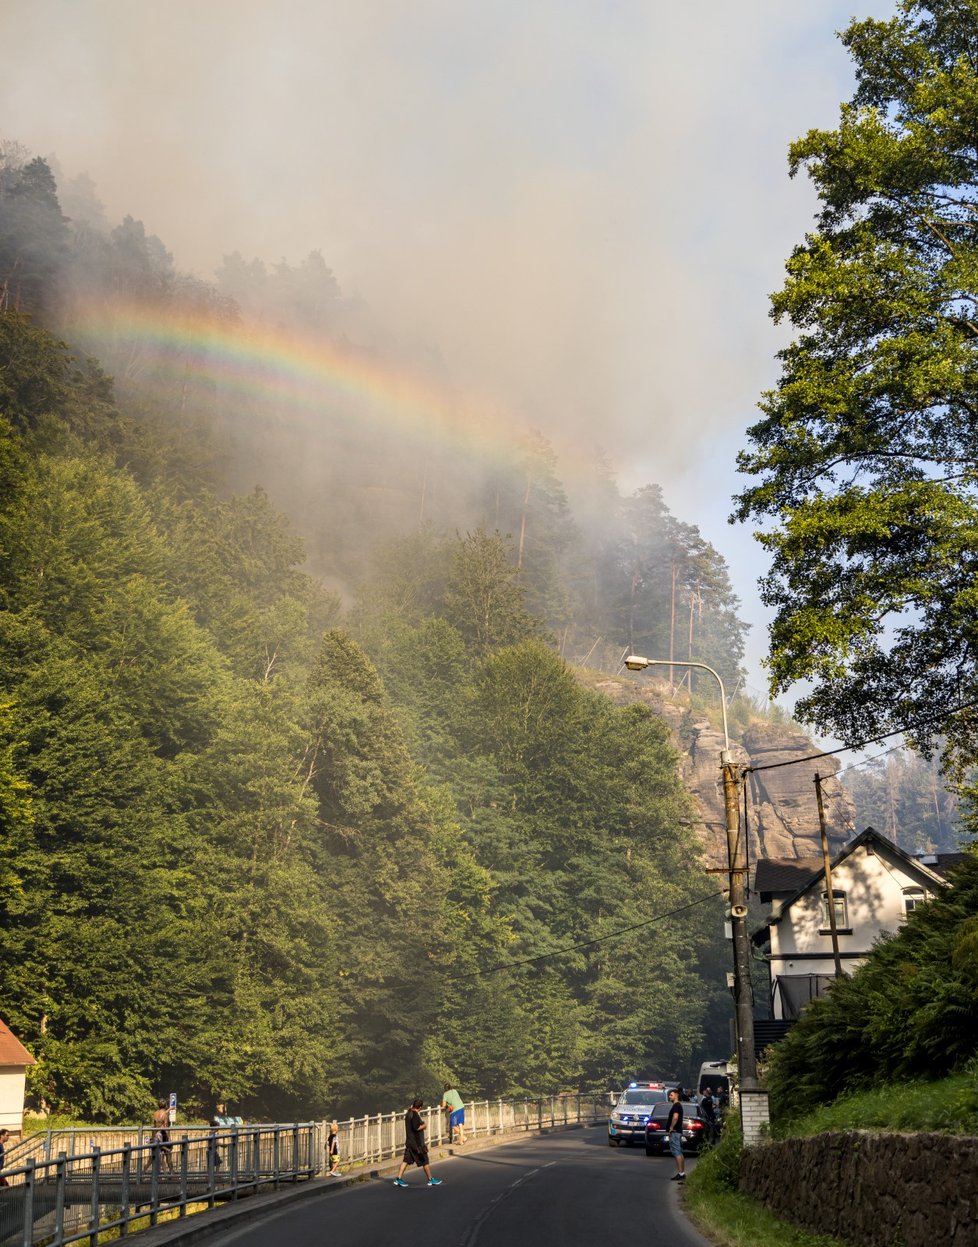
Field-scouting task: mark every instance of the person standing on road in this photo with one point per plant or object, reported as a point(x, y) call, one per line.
point(415, 1145)
point(456, 1109)
point(708, 1112)
point(674, 1128)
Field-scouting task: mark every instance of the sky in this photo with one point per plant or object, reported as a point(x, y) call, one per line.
point(580, 205)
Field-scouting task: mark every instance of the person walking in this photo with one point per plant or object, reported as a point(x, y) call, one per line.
point(333, 1149)
point(161, 1136)
point(4, 1136)
point(415, 1145)
point(674, 1129)
point(456, 1113)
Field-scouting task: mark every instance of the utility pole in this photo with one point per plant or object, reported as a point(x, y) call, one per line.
point(737, 868)
point(753, 1100)
point(827, 866)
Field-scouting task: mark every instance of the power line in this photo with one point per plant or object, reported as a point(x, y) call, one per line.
point(570, 948)
point(866, 761)
point(874, 740)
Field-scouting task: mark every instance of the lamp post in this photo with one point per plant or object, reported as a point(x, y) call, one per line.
point(737, 875)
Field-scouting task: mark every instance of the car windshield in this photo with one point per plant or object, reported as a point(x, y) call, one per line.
point(643, 1095)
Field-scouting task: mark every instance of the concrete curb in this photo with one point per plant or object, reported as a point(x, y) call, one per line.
point(203, 1225)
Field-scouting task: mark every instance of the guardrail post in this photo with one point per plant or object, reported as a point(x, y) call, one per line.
point(275, 1155)
point(256, 1157)
point(27, 1237)
point(234, 1163)
point(154, 1181)
point(211, 1168)
point(124, 1189)
point(60, 1170)
point(96, 1174)
point(184, 1166)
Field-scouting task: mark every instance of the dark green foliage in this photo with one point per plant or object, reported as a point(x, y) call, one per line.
point(248, 854)
point(33, 238)
point(911, 1010)
point(864, 456)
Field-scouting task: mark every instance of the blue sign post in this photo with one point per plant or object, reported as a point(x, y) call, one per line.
point(173, 1107)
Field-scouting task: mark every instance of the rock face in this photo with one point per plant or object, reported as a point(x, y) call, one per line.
point(782, 812)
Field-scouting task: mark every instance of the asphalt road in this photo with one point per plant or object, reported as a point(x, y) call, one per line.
point(569, 1189)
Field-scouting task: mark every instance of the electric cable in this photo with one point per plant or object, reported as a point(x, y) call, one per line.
point(570, 948)
point(873, 740)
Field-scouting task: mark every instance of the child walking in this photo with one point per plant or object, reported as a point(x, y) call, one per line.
point(333, 1150)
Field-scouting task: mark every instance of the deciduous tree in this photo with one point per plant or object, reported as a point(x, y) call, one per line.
point(865, 458)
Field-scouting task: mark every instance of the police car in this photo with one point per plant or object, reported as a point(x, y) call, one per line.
point(630, 1115)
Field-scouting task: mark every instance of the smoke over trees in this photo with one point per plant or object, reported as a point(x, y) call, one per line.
point(296, 788)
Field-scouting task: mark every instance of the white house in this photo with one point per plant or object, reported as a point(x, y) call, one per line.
point(875, 885)
point(14, 1060)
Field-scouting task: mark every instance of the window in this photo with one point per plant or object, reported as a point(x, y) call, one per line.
point(912, 897)
point(841, 910)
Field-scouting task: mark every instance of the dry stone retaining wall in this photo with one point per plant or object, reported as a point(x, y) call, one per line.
point(871, 1190)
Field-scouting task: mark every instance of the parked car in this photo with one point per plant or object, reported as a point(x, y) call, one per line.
point(694, 1129)
point(627, 1121)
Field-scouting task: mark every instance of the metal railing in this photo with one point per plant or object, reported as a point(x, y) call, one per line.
point(68, 1198)
point(380, 1136)
point(77, 1182)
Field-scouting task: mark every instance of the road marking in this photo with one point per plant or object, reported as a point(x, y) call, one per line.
point(468, 1239)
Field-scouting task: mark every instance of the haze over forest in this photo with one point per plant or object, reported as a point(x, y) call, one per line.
point(292, 563)
point(569, 217)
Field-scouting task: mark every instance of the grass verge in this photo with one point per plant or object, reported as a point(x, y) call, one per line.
point(730, 1218)
point(951, 1105)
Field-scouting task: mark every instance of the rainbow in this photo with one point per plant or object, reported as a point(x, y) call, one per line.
point(300, 377)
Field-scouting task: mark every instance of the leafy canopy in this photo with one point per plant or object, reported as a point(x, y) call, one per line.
point(865, 458)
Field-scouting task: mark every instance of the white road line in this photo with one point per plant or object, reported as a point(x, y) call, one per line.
point(468, 1239)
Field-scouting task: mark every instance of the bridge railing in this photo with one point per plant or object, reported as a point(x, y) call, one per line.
point(380, 1136)
point(72, 1197)
point(66, 1191)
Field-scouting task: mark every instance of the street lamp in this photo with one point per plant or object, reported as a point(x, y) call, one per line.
point(737, 875)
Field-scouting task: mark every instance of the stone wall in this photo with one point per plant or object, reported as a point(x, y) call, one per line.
point(871, 1190)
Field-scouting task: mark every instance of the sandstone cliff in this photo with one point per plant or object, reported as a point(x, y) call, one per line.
point(782, 814)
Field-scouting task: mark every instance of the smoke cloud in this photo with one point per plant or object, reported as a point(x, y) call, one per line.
point(578, 207)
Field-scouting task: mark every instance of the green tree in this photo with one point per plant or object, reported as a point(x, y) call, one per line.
point(484, 598)
point(865, 455)
point(33, 239)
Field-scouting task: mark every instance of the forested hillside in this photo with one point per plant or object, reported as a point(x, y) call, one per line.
point(301, 806)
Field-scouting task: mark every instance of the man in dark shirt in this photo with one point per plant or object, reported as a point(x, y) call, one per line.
point(674, 1126)
point(708, 1111)
point(415, 1145)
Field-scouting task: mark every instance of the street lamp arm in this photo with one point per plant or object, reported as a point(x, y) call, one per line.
point(634, 662)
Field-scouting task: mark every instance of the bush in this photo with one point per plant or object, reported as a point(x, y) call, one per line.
point(910, 1011)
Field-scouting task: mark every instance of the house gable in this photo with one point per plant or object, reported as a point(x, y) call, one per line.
point(874, 881)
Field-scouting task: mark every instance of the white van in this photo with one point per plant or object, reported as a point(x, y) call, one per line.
point(714, 1074)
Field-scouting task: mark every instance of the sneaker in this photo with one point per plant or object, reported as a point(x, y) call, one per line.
point(678, 1177)
point(434, 1181)
point(399, 1182)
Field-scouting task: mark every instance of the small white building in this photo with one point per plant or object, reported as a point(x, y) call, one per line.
point(875, 885)
point(14, 1060)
